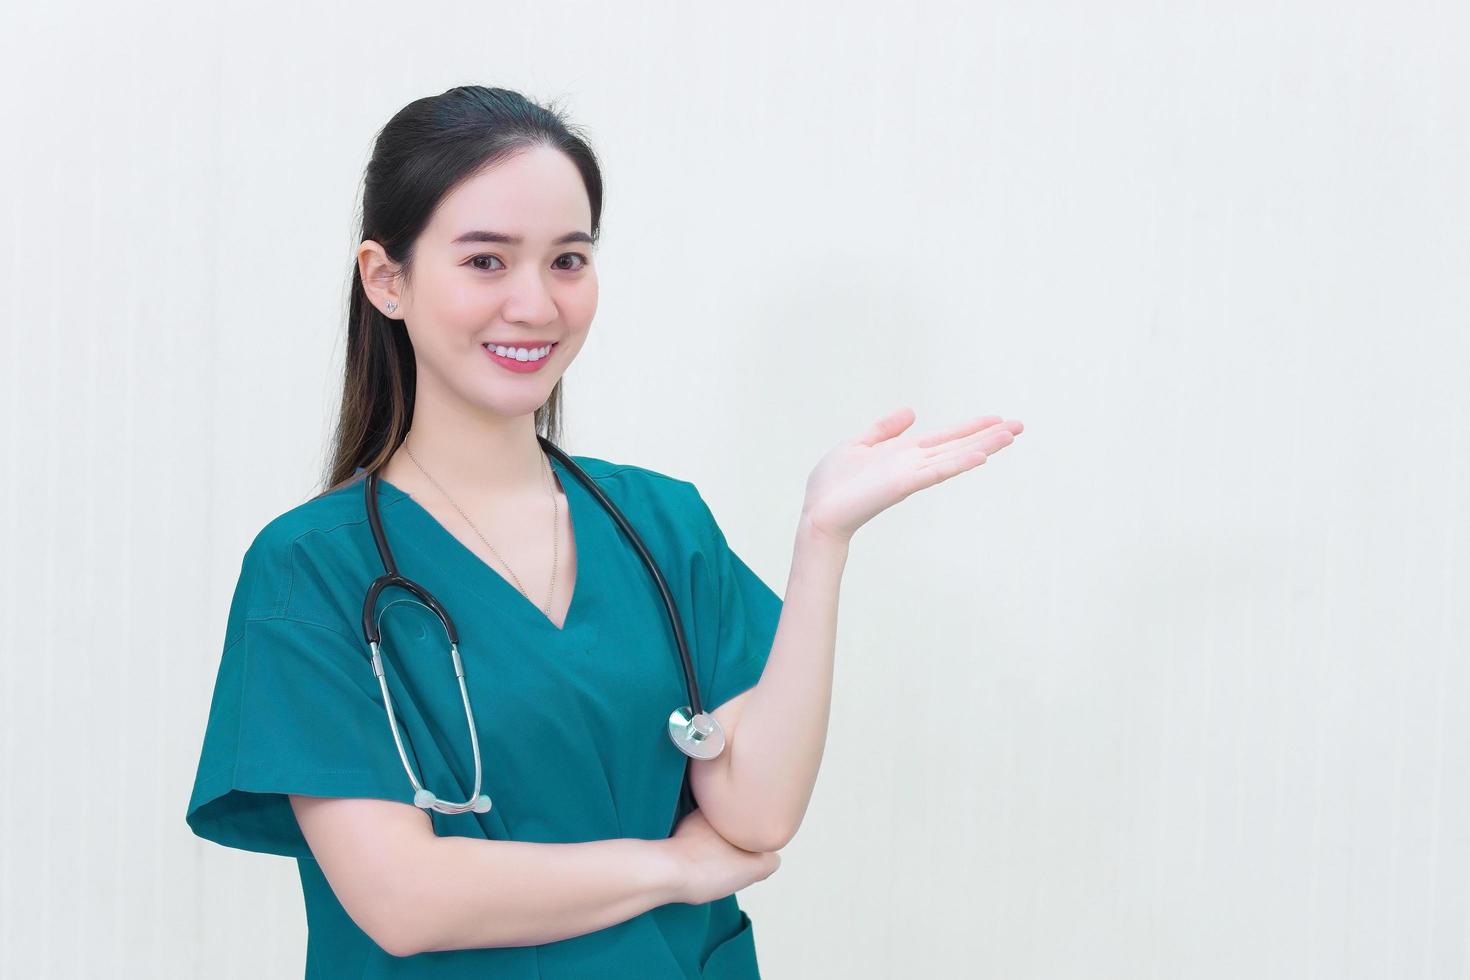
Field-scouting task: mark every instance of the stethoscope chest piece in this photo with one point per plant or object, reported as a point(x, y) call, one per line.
point(697, 736)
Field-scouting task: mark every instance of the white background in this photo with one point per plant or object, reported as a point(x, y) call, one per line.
point(1173, 687)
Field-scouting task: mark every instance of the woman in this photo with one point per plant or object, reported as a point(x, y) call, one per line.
point(473, 291)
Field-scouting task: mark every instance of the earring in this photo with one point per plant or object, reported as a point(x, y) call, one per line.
point(392, 306)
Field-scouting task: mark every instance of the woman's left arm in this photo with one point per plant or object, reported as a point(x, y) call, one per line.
point(756, 792)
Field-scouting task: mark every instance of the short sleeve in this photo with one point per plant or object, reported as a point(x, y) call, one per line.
point(748, 611)
point(296, 709)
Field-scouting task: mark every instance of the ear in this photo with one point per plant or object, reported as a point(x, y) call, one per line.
point(380, 281)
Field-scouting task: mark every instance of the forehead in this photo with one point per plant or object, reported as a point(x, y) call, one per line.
point(536, 193)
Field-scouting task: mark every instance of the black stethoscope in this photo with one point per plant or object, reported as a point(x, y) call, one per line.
point(696, 733)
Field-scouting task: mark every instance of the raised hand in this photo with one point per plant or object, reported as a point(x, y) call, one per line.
point(861, 477)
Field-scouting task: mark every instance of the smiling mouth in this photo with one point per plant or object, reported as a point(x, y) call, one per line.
point(491, 348)
point(516, 365)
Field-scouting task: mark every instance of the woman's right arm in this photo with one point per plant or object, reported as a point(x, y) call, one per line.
point(413, 891)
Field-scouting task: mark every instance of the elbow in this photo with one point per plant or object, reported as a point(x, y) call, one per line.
point(396, 937)
point(748, 819)
point(395, 923)
point(770, 836)
point(780, 837)
point(397, 945)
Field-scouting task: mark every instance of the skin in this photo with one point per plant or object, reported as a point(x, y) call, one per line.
point(473, 429)
point(756, 792)
point(462, 296)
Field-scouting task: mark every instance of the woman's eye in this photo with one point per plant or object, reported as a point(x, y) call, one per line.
point(582, 259)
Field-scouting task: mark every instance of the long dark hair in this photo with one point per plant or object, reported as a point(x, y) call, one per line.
point(423, 152)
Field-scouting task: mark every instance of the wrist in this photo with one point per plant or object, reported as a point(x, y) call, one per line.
point(812, 538)
point(669, 871)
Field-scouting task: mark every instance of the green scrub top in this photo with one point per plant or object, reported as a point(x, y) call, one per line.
point(572, 722)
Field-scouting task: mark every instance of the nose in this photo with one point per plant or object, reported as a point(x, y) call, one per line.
point(528, 299)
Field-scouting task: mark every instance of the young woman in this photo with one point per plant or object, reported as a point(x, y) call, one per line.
point(473, 291)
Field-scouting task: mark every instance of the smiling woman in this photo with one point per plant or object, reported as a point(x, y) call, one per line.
point(457, 286)
point(474, 287)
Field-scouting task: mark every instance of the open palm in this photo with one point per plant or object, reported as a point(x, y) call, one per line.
point(861, 477)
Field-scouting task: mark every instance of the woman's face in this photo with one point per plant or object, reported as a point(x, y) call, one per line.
point(505, 260)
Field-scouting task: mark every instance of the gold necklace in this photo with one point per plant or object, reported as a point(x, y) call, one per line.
point(555, 528)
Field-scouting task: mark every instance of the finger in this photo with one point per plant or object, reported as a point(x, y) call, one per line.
point(946, 465)
point(888, 426)
point(989, 440)
point(957, 431)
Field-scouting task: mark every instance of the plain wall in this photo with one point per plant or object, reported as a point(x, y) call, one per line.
point(1174, 687)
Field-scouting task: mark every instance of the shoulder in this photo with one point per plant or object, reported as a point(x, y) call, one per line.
point(641, 481)
point(656, 497)
point(323, 514)
point(299, 543)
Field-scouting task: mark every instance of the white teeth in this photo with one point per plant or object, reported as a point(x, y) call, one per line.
point(523, 353)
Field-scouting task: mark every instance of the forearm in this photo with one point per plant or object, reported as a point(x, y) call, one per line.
point(782, 730)
point(469, 892)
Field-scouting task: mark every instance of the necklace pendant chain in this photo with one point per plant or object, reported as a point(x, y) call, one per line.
point(555, 531)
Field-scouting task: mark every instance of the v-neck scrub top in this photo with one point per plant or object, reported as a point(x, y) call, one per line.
point(572, 722)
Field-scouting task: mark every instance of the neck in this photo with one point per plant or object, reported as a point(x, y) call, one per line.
point(473, 455)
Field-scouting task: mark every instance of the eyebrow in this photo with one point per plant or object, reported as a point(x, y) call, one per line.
point(500, 238)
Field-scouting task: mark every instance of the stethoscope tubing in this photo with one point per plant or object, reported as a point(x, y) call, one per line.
point(392, 578)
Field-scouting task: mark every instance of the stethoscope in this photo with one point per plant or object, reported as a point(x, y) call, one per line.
point(695, 733)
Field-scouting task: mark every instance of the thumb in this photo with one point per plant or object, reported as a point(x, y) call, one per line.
point(888, 426)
